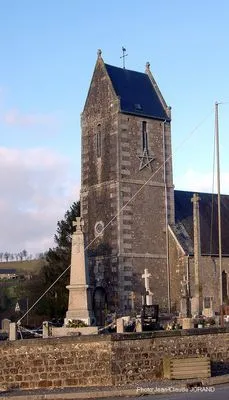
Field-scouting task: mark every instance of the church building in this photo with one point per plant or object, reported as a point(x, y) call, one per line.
point(132, 219)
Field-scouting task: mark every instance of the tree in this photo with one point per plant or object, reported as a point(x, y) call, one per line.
point(65, 228)
point(54, 303)
point(24, 253)
point(41, 256)
point(6, 256)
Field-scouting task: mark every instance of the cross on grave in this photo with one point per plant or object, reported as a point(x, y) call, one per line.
point(146, 276)
point(79, 224)
point(132, 299)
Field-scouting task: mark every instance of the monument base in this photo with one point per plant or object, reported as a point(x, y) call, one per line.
point(187, 323)
point(196, 309)
point(79, 307)
point(89, 320)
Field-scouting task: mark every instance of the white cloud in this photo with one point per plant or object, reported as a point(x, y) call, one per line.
point(35, 192)
point(15, 117)
point(201, 181)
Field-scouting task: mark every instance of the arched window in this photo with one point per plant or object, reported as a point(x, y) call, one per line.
point(144, 137)
point(98, 141)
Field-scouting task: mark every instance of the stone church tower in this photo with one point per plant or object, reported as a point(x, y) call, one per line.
point(126, 189)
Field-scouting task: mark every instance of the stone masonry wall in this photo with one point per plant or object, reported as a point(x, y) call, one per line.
point(99, 188)
point(208, 271)
point(141, 359)
point(105, 360)
point(209, 277)
point(114, 170)
point(38, 363)
point(142, 223)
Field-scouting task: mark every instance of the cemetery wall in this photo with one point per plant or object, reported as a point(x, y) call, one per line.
point(105, 360)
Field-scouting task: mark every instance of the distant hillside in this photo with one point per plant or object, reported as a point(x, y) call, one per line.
point(32, 266)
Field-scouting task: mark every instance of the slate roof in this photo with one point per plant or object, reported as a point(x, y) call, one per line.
point(208, 230)
point(136, 92)
point(7, 271)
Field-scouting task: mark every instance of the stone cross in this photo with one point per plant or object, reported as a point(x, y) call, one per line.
point(99, 53)
point(147, 66)
point(196, 198)
point(132, 298)
point(146, 276)
point(197, 300)
point(184, 288)
point(79, 224)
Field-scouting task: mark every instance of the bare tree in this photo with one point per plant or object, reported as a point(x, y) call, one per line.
point(6, 256)
point(24, 253)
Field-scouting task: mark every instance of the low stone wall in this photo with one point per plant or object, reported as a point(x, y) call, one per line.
point(104, 360)
point(70, 361)
point(63, 331)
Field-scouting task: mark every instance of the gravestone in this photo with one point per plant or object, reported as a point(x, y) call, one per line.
point(150, 311)
point(149, 317)
point(6, 325)
point(208, 307)
point(138, 326)
point(187, 323)
point(46, 329)
point(119, 325)
point(13, 331)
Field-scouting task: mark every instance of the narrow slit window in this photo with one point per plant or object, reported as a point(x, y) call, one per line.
point(98, 141)
point(144, 137)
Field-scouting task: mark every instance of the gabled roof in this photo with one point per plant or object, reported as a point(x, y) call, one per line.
point(208, 222)
point(136, 92)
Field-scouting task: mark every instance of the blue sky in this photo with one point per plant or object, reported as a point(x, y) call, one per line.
point(48, 52)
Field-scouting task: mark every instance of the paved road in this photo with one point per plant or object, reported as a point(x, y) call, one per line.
point(207, 393)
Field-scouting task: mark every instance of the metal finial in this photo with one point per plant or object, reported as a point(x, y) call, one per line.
point(99, 53)
point(148, 65)
point(123, 56)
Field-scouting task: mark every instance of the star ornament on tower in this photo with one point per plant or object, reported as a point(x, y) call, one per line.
point(145, 160)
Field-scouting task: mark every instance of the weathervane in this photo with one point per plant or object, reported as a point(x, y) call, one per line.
point(123, 56)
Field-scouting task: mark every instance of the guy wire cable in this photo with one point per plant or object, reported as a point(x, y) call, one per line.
point(122, 208)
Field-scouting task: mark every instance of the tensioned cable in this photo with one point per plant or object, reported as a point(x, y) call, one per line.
point(147, 181)
point(122, 208)
point(27, 312)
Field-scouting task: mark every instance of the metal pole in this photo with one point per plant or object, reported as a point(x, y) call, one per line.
point(166, 224)
point(219, 205)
